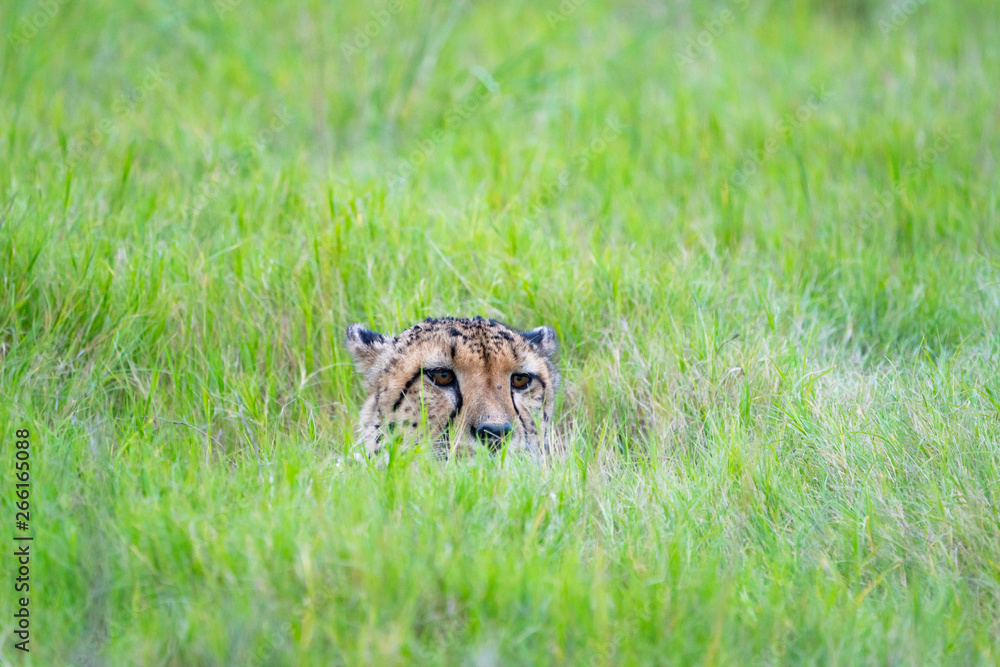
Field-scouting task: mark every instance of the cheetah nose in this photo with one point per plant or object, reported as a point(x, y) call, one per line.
point(492, 435)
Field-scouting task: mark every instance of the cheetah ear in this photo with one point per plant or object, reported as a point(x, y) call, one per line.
point(365, 346)
point(543, 339)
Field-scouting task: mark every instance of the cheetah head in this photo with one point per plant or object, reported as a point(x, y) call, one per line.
point(460, 384)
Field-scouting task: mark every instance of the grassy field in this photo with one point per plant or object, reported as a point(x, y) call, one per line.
point(767, 233)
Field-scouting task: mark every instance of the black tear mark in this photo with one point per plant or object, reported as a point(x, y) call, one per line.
point(452, 351)
point(518, 413)
point(545, 416)
point(402, 393)
point(458, 403)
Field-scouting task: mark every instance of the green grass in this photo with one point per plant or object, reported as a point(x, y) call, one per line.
point(782, 403)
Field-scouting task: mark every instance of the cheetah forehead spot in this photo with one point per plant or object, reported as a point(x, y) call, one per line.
point(477, 336)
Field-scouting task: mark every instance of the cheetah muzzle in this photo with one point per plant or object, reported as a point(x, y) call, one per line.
point(459, 384)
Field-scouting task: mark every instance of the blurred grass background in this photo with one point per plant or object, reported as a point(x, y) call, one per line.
point(766, 233)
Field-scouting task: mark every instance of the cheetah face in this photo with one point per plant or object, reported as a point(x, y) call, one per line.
point(460, 384)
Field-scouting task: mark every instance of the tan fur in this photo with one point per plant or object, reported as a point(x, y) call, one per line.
point(406, 406)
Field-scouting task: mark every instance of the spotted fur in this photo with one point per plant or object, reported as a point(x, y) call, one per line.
point(482, 406)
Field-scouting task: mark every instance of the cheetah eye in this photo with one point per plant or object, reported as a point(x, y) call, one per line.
point(520, 380)
point(442, 377)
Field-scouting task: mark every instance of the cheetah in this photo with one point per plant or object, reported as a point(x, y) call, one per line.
point(459, 384)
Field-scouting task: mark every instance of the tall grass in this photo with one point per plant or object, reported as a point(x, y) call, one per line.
point(779, 329)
